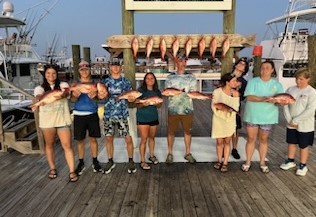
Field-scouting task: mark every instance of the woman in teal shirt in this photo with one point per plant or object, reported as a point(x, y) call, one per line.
point(260, 113)
point(147, 119)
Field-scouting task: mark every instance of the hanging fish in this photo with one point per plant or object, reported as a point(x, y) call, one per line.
point(201, 47)
point(225, 46)
point(162, 48)
point(175, 47)
point(213, 47)
point(135, 47)
point(149, 47)
point(188, 47)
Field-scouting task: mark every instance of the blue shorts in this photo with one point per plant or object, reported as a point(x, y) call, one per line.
point(303, 139)
point(264, 127)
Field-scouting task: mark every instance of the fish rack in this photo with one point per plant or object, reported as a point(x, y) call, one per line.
point(116, 43)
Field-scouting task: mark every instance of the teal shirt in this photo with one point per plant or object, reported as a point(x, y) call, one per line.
point(262, 112)
point(148, 113)
point(181, 104)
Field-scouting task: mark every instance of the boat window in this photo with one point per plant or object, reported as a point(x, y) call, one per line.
point(25, 70)
point(289, 69)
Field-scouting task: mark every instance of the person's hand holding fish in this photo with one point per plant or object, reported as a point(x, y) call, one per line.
point(102, 91)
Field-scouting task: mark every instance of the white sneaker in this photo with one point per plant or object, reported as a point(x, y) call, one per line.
point(287, 165)
point(301, 172)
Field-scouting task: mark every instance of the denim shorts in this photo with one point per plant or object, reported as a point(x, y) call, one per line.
point(264, 127)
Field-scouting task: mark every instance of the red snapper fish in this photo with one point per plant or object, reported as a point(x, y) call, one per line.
point(201, 47)
point(199, 95)
point(152, 100)
point(129, 93)
point(175, 47)
point(225, 46)
point(135, 47)
point(163, 48)
point(224, 107)
point(149, 47)
point(213, 47)
point(84, 87)
point(188, 47)
point(171, 91)
point(282, 99)
point(102, 90)
point(49, 97)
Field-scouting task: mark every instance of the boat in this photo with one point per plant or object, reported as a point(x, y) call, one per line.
point(288, 48)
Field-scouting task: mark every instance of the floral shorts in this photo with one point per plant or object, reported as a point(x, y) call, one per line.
point(264, 127)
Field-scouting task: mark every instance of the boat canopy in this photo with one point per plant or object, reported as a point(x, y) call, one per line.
point(10, 22)
point(308, 15)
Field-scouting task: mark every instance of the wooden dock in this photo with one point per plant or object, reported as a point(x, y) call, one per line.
point(177, 190)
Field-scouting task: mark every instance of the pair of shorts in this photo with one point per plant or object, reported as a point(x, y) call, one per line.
point(303, 139)
point(185, 120)
point(264, 127)
point(110, 126)
point(152, 123)
point(85, 123)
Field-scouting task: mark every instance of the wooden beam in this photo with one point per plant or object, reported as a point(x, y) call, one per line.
point(236, 40)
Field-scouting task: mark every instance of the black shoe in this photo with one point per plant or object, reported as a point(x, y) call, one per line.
point(235, 154)
point(96, 167)
point(80, 169)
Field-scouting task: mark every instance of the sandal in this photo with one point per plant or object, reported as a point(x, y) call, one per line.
point(144, 166)
point(52, 174)
point(245, 167)
point(264, 169)
point(218, 165)
point(73, 177)
point(224, 168)
point(153, 159)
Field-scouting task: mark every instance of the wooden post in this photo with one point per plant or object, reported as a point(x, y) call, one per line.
point(76, 60)
point(256, 66)
point(3, 147)
point(129, 67)
point(229, 28)
point(86, 54)
point(312, 58)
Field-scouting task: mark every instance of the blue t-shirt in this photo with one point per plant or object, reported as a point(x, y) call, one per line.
point(116, 108)
point(148, 113)
point(85, 103)
point(262, 112)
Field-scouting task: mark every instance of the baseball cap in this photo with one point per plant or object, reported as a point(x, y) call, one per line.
point(84, 65)
point(115, 62)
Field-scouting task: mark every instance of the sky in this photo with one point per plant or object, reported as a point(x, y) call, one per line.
point(90, 22)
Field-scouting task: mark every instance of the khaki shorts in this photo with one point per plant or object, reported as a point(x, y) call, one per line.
point(185, 120)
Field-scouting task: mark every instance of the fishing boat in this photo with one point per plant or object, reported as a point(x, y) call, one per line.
point(288, 48)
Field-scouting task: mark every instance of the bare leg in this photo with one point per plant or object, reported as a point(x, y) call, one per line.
point(109, 146)
point(252, 133)
point(81, 148)
point(143, 131)
point(263, 145)
point(291, 151)
point(187, 142)
point(65, 140)
point(226, 143)
point(49, 136)
point(129, 146)
point(151, 142)
point(235, 139)
point(304, 155)
point(94, 146)
point(170, 142)
point(219, 149)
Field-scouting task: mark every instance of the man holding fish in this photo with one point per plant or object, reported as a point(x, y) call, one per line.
point(86, 116)
point(116, 113)
point(180, 107)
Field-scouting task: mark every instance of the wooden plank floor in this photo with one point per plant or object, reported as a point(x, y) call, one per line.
point(177, 190)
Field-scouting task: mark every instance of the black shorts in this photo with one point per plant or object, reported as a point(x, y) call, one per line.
point(152, 123)
point(303, 139)
point(84, 123)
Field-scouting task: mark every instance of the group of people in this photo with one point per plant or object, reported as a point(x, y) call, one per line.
point(260, 114)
